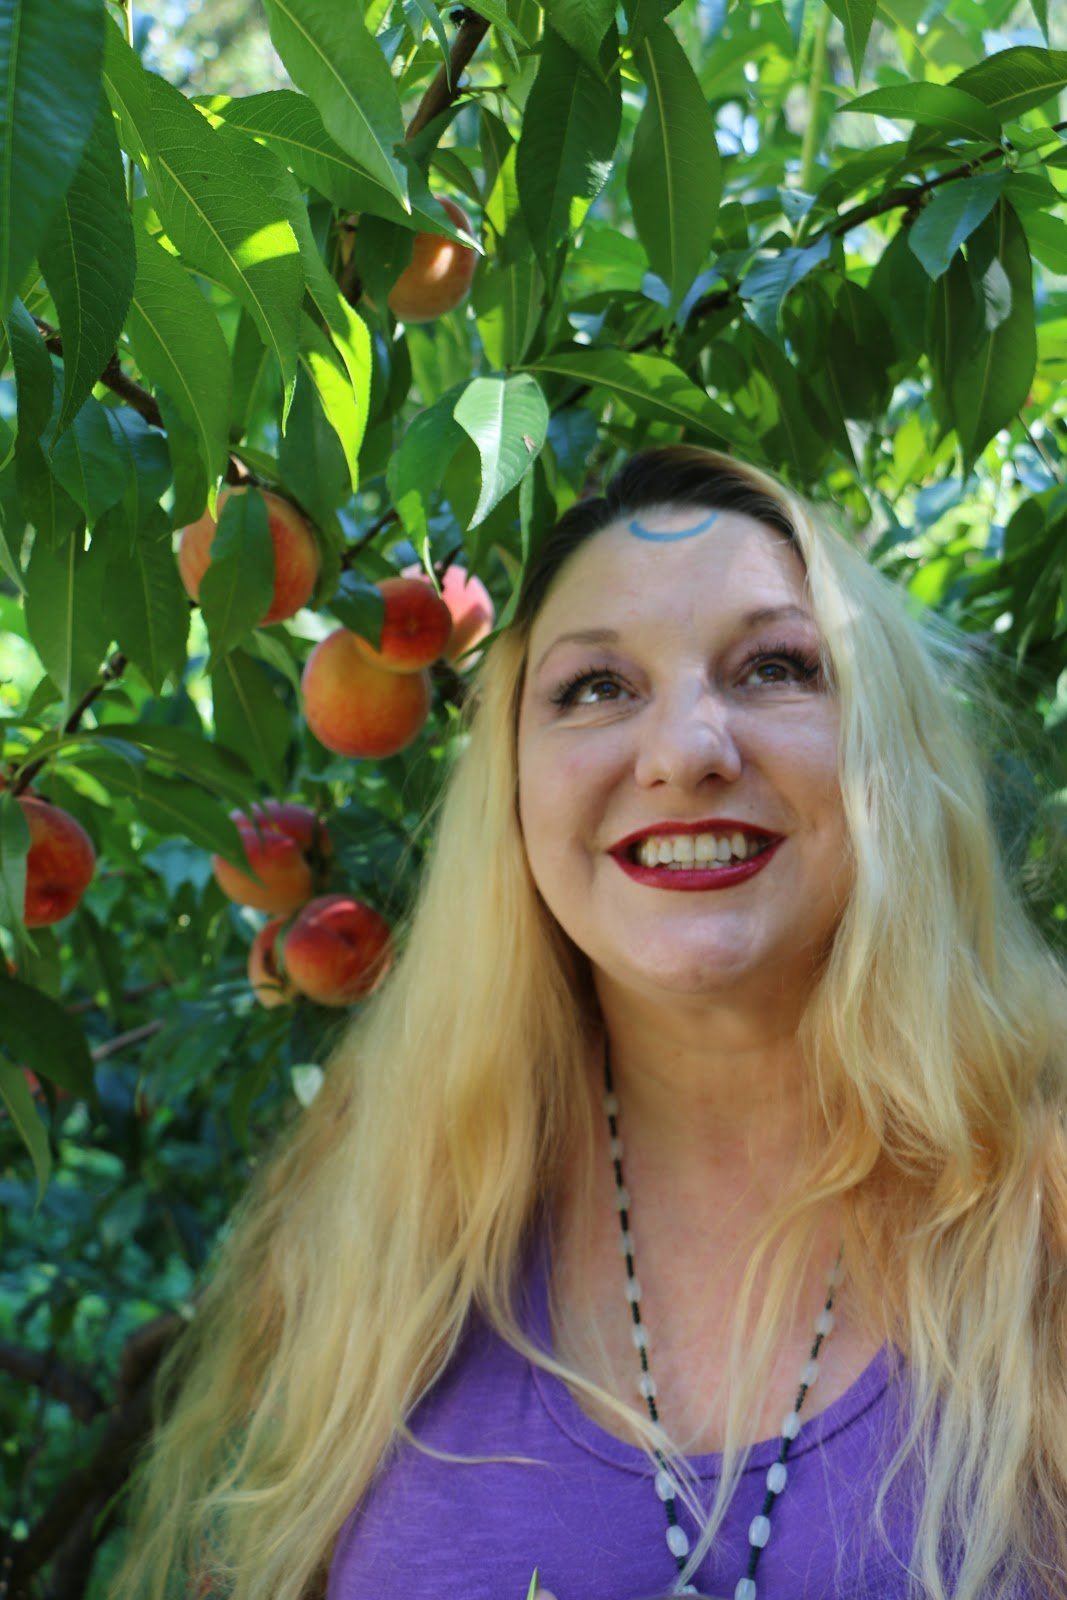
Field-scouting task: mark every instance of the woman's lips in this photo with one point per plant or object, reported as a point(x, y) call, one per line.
point(696, 877)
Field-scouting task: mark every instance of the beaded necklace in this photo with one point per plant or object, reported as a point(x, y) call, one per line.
point(760, 1526)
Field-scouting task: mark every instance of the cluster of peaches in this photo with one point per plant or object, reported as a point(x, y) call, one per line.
point(330, 947)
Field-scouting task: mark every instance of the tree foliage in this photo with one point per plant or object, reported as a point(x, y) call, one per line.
point(830, 238)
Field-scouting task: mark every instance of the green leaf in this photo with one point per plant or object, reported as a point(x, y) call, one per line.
point(150, 473)
point(507, 304)
point(211, 765)
point(237, 588)
point(531, 1593)
point(14, 848)
point(952, 111)
point(857, 17)
point(567, 145)
point(332, 57)
point(990, 381)
point(15, 1094)
point(1015, 80)
point(214, 212)
point(311, 460)
point(292, 128)
point(65, 613)
point(34, 375)
point(250, 716)
point(416, 469)
point(583, 23)
point(43, 1035)
point(428, 12)
point(174, 807)
point(88, 262)
point(651, 386)
point(50, 77)
point(507, 418)
point(87, 464)
point(147, 608)
point(674, 178)
point(951, 217)
point(339, 400)
point(179, 347)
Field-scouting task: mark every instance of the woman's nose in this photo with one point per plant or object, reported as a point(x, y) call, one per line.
point(686, 738)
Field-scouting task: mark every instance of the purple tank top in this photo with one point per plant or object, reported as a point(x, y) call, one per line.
point(588, 1516)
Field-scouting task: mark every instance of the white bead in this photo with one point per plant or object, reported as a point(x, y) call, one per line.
point(616, 1149)
point(665, 1485)
point(677, 1541)
point(622, 1199)
point(646, 1383)
point(639, 1335)
point(810, 1373)
point(791, 1425)
point(746, 1590)
point(776, 1476)
point(626, 1242)
point(824, 1322)
point(611, 1105)
point(633, 1289)
point(759, 1531)
point(687, 1588)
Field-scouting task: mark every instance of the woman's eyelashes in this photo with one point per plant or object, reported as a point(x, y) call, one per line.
point(802, 666)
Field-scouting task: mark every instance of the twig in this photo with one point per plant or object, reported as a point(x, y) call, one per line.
point(112, 669)
point(445, 86)
point(111, 1047)
point(112, 378)
point(71, 1388)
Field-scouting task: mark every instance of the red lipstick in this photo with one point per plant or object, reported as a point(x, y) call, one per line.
point(696, 877)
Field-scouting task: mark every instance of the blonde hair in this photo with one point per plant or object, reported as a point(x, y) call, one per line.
point(936, 1043)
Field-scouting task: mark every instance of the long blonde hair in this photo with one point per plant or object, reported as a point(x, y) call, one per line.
point(936, 1043)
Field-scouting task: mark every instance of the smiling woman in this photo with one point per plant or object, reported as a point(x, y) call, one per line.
point(688, 1208)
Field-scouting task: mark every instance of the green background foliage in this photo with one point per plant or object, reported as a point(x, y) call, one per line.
point(831, 238)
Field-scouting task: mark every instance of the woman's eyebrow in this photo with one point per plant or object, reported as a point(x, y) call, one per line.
point(748, 619)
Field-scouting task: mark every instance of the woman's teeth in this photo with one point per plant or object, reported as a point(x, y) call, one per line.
point(697, 849)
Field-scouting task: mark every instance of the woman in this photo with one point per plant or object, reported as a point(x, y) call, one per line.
point(621, 1140)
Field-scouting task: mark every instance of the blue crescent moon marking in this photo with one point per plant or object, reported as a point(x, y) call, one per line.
point(664, 538)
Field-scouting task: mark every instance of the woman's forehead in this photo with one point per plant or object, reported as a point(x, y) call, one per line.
point(673, 555)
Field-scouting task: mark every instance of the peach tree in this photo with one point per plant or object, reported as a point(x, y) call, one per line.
point(294, 375)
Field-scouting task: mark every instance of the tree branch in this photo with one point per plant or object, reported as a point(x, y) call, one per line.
point(112, 669)
point(445, 86)
point(71, 1388)
point(112, 377)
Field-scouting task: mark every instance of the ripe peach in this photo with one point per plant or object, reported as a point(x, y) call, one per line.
point(415, 628)
point(281, 844)
point(270, 984)
point(60, 863)
point(337, 950)
point(296, 554)
point(439, 275)
point(469, 603)
point(355, 708)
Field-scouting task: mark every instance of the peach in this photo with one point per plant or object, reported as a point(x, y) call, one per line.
point(296, 554)
point(439, 275)
point(356, 709)
point(60, 863)
point(284, 844)
point(337, 950)
point(470, 606)
point(415, 628)
point(270, 985)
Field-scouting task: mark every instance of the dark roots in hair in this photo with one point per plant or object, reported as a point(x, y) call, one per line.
point(672, 474)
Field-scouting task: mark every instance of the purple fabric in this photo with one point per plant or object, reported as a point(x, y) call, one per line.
point(590, 1519)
